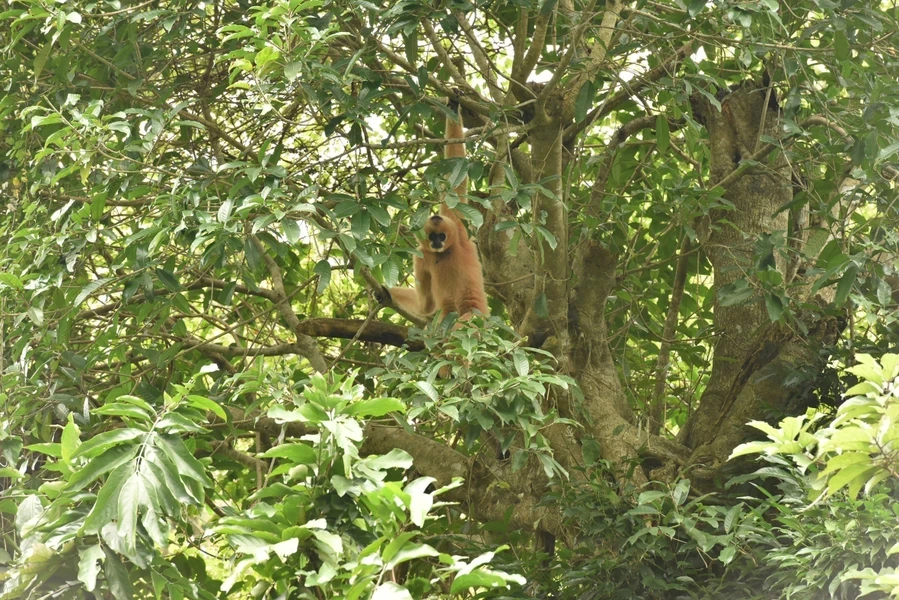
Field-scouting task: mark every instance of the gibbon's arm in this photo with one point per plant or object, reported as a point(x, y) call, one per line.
point(454, 131)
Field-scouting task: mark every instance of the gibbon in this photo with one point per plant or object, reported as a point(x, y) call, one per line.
point(448, 274)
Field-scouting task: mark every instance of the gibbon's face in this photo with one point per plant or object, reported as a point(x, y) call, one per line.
point(439, 233)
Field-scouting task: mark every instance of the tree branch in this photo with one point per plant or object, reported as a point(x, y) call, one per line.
point(529, 61)
point(305, 344)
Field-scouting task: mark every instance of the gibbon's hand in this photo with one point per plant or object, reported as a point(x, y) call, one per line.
point(382, 295)
point(453, 101)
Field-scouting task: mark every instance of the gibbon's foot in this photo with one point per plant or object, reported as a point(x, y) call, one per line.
point(383, 296)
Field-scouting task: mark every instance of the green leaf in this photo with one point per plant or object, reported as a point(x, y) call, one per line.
point(410, 552)
point(204, 403)
point(105, 508)
point(735, 293)
point(291, 231)
point(395, 459)
point(139, 402)
point(377, 407)
point(471, 214)
point(109, 460)
point(36, 314)
point(841, 46)
point(520, 359)
point(681, 492)
point(168, 280)
point(731, 517)
point(391, 591)
point(888, 152)
point(420, 501)
point(50, 449)
point(117, 577)
point(177, 452)
point(775, 308)
point(479, 578)
point(845, 285)
point(650, 496)
point(224, 212)
point(129, 501)
point(854, 476)
point(71, 438)
point(298, 453)
point(360, 225)
point(410, 46)
point(41, 59)
point(398, 542)
point(663, 133)
point(429, 390)
point(541, 306)
point(89, 566)
point(10, 280)
point(120, 409)
point(323, 270)
point(584, 101)
point(90, 289)
point(101, 442)
point(547, 235)
point(695, 7)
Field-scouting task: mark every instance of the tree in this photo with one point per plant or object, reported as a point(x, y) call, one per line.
point(684, 212)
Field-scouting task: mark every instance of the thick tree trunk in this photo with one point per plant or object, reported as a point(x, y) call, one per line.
point(752, 355)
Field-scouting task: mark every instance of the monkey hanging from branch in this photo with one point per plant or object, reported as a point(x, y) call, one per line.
point(448, 274)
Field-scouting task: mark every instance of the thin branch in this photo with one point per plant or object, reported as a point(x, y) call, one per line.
point(307, 345)
point(113, 13)
point(223, 448)
point(485, 65)
point(634, 87)
point(469, 100)
point(625, 131)
point(527, 64)
point(597, 55)
point(473, 134)
point(562, 67)
point(657, 407)
point(437, 45)
point(201, 283)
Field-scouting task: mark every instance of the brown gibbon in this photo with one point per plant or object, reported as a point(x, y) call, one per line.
point(448, 274)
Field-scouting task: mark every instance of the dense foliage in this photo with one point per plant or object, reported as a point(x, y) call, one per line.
point(688, 220)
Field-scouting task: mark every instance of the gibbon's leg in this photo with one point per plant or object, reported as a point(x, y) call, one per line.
point(406, 298)
point(424, 288)
point(419, 301)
